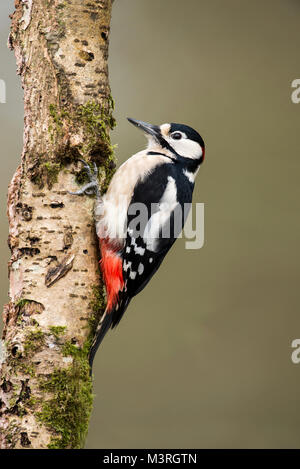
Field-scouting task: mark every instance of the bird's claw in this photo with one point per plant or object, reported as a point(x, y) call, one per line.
point(93, 186)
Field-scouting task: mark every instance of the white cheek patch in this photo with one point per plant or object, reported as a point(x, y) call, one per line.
point(187, 148)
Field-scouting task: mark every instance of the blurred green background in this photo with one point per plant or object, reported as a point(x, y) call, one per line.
point(203, 356)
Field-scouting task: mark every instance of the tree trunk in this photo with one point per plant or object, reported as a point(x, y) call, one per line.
point(56, 295)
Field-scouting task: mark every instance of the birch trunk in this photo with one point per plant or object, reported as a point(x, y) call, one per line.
point(56, 295)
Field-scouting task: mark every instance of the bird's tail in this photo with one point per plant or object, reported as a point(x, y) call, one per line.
point(102, 329)
point(110, 319)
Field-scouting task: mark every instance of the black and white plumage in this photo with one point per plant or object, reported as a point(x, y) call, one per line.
point(143, 212)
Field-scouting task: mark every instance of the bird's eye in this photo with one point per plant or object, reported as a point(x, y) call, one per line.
point(176, 135)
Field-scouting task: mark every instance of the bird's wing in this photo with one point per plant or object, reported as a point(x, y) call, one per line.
point(155, 219)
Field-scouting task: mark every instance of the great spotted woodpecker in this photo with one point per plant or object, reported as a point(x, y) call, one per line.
point(158, 183)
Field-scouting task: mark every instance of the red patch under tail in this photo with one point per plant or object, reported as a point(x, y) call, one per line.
point(111, 267)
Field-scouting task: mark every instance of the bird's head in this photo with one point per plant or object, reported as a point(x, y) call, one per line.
point(181, 141)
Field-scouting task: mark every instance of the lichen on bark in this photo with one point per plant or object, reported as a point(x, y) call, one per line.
point(56, 293)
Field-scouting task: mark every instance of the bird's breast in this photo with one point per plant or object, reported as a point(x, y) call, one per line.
point(111, 211)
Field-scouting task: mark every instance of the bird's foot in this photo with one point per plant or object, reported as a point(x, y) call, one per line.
point(92, 187)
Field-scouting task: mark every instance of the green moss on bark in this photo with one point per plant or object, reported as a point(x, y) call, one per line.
point(12, 434)
point(68, 410)
point(67, 392)
point(22, 303)
point(97, 305)
point(51, 171)
point(35, 339)
point(57, 331)
point(92, 120)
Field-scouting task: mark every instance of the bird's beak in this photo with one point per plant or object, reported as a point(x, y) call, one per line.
point(150, 129)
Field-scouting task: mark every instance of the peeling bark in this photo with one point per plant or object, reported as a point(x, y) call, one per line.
point(56, 295)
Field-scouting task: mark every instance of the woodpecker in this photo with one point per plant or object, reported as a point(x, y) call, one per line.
point(157, 182)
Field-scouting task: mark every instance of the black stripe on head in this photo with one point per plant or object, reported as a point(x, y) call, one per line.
point(190, 133)
point(165, 144)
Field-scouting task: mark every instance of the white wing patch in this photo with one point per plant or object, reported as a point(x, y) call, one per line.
point(137, 249)
point(127, 265)
point(166, 205)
